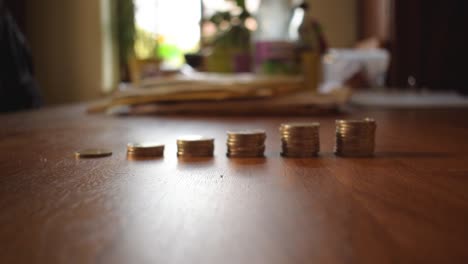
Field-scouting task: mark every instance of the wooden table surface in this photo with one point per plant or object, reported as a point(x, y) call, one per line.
point(409, 204)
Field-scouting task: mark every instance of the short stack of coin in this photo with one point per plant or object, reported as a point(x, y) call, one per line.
point(246, 144)
point(300, 139)
point(195, 146)
point(145, 149)
point(355, 138)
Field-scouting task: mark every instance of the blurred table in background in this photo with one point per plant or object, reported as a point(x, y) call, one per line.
point(408, 204)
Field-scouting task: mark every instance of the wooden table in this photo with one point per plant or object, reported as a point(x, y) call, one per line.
point(409, 204)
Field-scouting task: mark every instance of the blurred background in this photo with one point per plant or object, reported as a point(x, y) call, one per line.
point(85, 49)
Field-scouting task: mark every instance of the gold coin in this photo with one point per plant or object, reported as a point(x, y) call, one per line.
point(300, 140)
point(253, 144)
point(355, 130)
point(195, 150)
point(192, 155)
point(246, 151)
point(195, 143)
point(241, 142)
point(355, 136)
point(195, 154)
point(309, 136)
point(246, 155)
point(245, 141)
point(366, 120)
point(303, 133)
point(194, 139)
point(345, 127)
point(260, 148)
point(145, 145)
point(196, 146)
point(146, 149)
point(302, 147)
point(246, 137)
point(93, 153)
point(201, 153)
point(355, 133)
point(300, 134)
point(299, 131)
point(288, 126)
point(240, 133)
point(356, 124)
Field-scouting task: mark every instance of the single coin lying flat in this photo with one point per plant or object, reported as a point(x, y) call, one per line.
point(93, 153)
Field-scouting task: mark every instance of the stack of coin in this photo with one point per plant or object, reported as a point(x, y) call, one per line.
point(195, 146)
point(300, 139)
point(145, 149)
point(355, 138)
point(246, 144)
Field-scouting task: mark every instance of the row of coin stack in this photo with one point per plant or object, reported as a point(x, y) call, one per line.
point(354, 138)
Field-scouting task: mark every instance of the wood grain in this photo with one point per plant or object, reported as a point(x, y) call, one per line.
point(409, 204)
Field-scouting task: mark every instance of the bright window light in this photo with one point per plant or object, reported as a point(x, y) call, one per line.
point(173, 22)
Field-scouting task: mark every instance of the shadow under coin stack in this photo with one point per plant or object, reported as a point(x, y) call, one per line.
point(300, 140)
point(146, 149)
point(355, 138)
point(246, 144)
point(195, 146)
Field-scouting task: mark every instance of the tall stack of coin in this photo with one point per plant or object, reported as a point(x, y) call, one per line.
point(245, 144)
point(300, 139)
point(355, 138)
point(195, 146)
point(145, 149)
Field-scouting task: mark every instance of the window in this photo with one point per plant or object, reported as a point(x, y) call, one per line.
point(174, 24)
